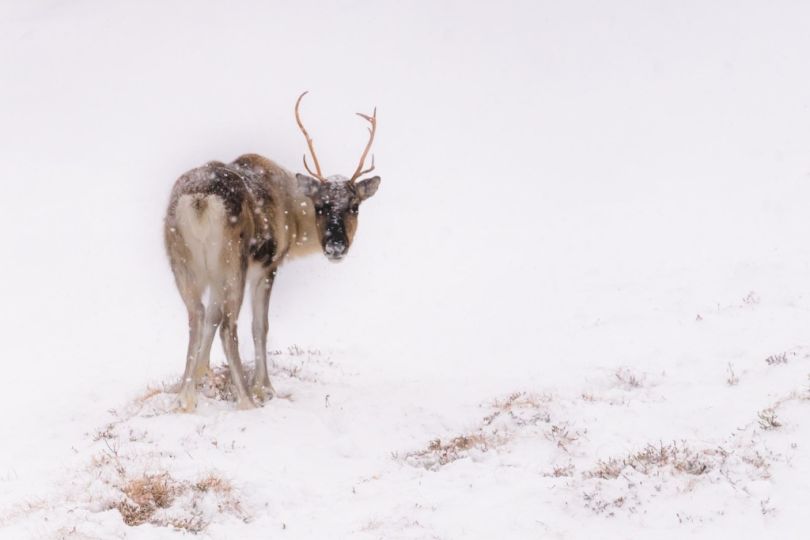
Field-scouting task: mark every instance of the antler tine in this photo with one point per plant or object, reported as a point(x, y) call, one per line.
point(306, 166)
point(317, 175)
point(361, 173)
point(372, 130)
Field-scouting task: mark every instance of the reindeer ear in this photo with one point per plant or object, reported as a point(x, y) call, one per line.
point(307, 185)
point(368, 187)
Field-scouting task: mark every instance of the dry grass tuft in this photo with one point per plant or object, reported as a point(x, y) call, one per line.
point(214, 484)
point(438, 453)
point(758, 462)
point(607, 470)
point(144, 495)
point(600, 505)
point(679, 458)
point(509, 416)
point(193, 524)
point(297, 350)
point(521, 408)
point(561, 471)
point(560, 435)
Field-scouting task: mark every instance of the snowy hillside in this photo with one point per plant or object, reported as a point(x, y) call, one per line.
point(578, 306)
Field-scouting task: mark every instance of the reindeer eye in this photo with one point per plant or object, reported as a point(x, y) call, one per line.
point(355, 208)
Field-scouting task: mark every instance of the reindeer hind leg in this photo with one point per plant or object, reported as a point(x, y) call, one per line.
point(233, 289)
point(213, 318)
point(191, 292)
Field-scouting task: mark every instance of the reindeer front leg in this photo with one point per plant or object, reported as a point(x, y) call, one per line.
point(262, 388)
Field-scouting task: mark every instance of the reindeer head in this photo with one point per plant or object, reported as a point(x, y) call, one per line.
point(337, 198)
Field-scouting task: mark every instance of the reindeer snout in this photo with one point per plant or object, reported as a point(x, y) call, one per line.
point(335, 250)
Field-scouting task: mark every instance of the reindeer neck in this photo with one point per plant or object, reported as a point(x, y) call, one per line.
point(305, 240)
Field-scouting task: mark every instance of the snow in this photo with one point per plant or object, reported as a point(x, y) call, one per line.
point(578, 306)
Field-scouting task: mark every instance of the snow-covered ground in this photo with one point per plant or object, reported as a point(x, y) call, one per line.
point(578, 307)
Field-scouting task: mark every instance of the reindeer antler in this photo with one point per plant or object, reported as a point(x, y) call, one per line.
point(317, 175)
point(373, 121)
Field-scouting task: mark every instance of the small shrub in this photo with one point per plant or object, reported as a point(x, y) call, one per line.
point(768, 420)
point(776, 359)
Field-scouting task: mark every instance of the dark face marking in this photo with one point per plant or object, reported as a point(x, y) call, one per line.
point(337, 204)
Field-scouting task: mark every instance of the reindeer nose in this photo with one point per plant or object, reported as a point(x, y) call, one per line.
point(335, 250)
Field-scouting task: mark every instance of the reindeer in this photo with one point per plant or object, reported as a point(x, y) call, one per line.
point(232, 225)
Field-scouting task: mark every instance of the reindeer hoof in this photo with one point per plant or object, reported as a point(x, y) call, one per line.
point(263, 392)
point(188, 400)
point(245, 404)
